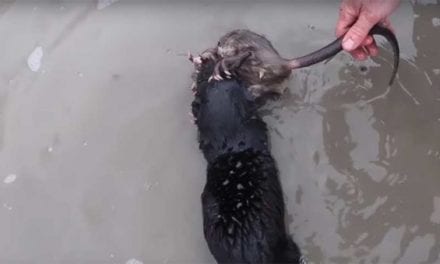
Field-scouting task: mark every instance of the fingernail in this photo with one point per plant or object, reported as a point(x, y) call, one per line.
point(348, 44)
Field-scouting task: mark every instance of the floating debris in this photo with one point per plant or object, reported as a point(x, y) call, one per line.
point(104, 3)
point(34, 59)
point(7, 206)
point(134, 261)
point(150, 185)
point(436, 22)
point(10, 179)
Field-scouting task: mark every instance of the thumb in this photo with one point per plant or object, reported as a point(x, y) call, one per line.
point(358, 32)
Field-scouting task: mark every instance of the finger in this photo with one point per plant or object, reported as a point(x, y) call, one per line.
point(359, 54)
point(387, 23)
point(365, 51)
point(373, 50)
point(346, 19)
point(368, 40)
point(358, 32)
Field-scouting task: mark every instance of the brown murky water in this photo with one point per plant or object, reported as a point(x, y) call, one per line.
point(99, 162)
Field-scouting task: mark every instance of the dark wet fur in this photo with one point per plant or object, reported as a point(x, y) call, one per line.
point(265, 71)
point(243, 207)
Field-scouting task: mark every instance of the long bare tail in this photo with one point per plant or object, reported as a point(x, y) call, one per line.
point(336, 46)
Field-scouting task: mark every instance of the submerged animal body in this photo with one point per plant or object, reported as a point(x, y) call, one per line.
point(265, 71)
point(243, 207)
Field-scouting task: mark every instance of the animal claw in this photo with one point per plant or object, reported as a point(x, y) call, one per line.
point(210, 78)
point(192, 118)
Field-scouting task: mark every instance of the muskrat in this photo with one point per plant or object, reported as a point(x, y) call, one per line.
point(265, 71)
point(242, 201)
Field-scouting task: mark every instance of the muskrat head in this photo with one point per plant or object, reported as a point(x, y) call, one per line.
point(204, 57)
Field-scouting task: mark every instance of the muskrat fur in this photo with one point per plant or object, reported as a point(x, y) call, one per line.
point(242, 202)
point(265, 71)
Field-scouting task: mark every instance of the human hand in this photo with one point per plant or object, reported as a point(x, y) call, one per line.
point(356, 18)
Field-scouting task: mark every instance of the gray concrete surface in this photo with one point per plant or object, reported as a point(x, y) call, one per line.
point(99, 162)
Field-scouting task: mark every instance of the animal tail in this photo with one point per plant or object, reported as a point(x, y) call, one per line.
point(335, 47)
point(391, 38)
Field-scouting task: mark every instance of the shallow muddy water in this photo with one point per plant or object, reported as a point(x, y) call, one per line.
point(99, 161)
